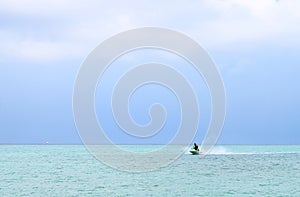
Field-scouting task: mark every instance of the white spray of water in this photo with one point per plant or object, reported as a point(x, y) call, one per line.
point(217, 150)
point(235, 150)
point(220, 150)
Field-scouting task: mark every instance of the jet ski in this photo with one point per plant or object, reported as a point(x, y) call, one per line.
point(195, 152)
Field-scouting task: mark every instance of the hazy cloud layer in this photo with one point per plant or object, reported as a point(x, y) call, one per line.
point(52, 30)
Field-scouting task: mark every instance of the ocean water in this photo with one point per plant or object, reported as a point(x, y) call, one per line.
point(65, 170)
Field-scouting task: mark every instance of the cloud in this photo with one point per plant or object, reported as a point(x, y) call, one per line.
point(29, 49)
point(67, 29)
point(237, 22)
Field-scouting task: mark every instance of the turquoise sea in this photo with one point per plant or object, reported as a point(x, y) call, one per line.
point(69, 170)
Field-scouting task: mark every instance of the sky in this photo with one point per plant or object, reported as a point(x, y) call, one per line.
point(255, 45)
